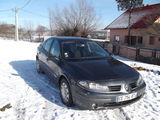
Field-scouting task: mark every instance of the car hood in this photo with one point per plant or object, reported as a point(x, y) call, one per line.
point(104, 69)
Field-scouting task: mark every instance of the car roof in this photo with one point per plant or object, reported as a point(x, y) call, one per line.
point(71, 38)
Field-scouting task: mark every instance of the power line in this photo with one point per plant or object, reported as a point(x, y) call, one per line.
point(5, 10)
point(16, 10)
point(25, 4)
point(26, 11)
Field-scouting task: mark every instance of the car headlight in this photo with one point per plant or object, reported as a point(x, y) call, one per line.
point(140, 81)
point(94, 86)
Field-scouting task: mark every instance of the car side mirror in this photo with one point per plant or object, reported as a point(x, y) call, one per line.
point(108, 52)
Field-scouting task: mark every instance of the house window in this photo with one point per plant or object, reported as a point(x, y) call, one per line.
point(132, 41)
point(117, 38)
point(151, 40)
point(140, 39)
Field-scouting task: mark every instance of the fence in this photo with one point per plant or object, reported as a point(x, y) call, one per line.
point(147, 55)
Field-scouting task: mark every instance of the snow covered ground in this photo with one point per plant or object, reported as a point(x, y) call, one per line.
point(34, 97)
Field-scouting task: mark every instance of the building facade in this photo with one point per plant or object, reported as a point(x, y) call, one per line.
point(145, 27)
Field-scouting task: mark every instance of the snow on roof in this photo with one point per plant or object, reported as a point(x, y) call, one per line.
point(138, 17)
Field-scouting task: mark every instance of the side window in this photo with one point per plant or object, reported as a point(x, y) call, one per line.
point(47, 44)
point(55, 49)
point(140, 39)
point(151, 40)
point(44, 43)
point(117, 38)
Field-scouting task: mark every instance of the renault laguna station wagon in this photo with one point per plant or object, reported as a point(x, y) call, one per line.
point(87, 75)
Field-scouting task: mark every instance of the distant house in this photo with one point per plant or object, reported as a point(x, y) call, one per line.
point(142, 20)
point(99, 34)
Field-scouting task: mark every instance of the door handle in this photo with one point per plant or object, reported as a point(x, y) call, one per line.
point(52, 58)
point(47, 59)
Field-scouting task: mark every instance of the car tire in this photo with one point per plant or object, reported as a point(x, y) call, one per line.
point(38, 67)
point(65, 93)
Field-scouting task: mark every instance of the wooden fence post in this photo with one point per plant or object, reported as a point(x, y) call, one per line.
point(153, 53)
point(137, 53)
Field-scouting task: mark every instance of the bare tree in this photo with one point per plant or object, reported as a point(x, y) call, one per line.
point(22, 33)
point(79, 19)
point(29, 27)
point(155, 28)
point(40, 30)
point(154, 22)
point(129, 5)
point(7, 30)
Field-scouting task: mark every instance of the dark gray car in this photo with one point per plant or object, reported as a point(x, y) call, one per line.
point(87, 75)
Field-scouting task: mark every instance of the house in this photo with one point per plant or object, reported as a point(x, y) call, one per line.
point(145, 27)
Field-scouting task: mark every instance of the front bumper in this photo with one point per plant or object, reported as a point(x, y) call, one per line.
point(92, 100)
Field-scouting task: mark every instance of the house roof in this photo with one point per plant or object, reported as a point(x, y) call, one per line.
point(140, 17)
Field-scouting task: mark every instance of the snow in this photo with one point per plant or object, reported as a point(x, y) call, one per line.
point(100, 40)
point(34, 97)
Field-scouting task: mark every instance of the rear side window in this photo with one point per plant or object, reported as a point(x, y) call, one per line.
point(55, 49)
point(47, 44)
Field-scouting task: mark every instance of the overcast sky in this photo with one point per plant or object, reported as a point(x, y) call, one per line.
point(37, 10)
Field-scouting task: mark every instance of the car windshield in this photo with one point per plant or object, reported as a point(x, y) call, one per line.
point(83, 50)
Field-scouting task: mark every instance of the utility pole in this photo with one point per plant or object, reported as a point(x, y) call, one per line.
point(16, 23)
point(129, 24)
point(129, 28)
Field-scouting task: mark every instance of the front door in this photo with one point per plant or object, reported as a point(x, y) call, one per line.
point(53, 61)
point(44, 54)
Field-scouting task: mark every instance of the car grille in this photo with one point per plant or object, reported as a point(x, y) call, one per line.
point(133, 85)
point(114, 88)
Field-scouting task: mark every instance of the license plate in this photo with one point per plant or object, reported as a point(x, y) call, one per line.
point(126, 97)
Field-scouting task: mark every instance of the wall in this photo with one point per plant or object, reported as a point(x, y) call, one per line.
point(127, 52)
point(134, 32)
